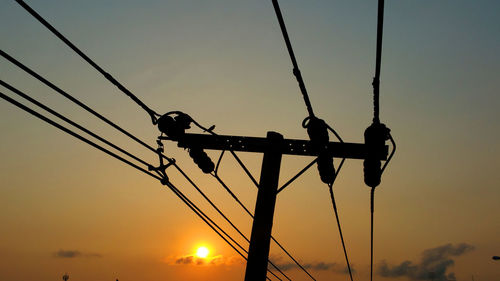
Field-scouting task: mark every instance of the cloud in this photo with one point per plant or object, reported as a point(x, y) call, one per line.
point(319, 266)
point(433, 264)
point(68, 254)
point(210, 261)
point(335, 267)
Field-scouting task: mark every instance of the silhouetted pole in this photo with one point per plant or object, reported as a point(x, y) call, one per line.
point(260, 239)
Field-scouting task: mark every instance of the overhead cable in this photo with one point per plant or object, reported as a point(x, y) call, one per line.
point(186, 200)
point(90, 110)
point(225, 233)
point(74, 100)
point(209, 222)
point(378, 62)
point(76, 135)
point(377, 126)
point(222, 214)
point(39, 104)
point(251, 215)
point(296, 70)
point(340, 229)
point(108, 76)
point(210, 130)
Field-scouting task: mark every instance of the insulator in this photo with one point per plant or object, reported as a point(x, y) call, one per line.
point(174, 127)
point(375, 136)
point(372, 172)
point(201, 159)
point(183, 121)
point(318, 132)
point(326, 168)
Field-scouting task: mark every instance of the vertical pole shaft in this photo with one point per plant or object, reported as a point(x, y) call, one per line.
point(260, 239)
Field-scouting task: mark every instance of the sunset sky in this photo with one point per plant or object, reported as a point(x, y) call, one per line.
point(66, 207)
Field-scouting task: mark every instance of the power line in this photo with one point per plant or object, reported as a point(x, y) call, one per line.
point(28, 98)
point(251, 215)
point(296, 70)
point(76, 135)
point(90, 110)
point(311, 117)
point(223, 184)
point(340, 229)
point(256, 184)
point(147, 109)
point(186, 200)
point(378, 62)
point(76, 101)
point(376, 118)
point(220, 212)
point(220, 229)
point(108, 76)
point(372, 210)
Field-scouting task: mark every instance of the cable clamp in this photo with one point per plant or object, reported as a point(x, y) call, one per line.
point(161, 169)
point(296, 73)
point(318, 134)
point(375, 136)
point(174, 127)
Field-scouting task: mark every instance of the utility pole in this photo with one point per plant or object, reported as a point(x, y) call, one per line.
point(273, 147)
point(260, 239)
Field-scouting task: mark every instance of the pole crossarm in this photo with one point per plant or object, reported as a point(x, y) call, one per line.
point(288, 146)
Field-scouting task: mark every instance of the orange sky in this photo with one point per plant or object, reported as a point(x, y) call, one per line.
point(66, 207)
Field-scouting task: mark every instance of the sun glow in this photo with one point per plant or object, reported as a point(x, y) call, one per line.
point(202, 252)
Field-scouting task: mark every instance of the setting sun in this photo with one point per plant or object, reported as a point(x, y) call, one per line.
point(202, 252)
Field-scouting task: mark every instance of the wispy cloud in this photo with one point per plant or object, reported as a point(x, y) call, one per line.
point(433, 264)
point(319, 266)
point(68, 254)
point(193, 260)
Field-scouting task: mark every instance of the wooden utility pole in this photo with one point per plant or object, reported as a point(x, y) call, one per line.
point(260, 239)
